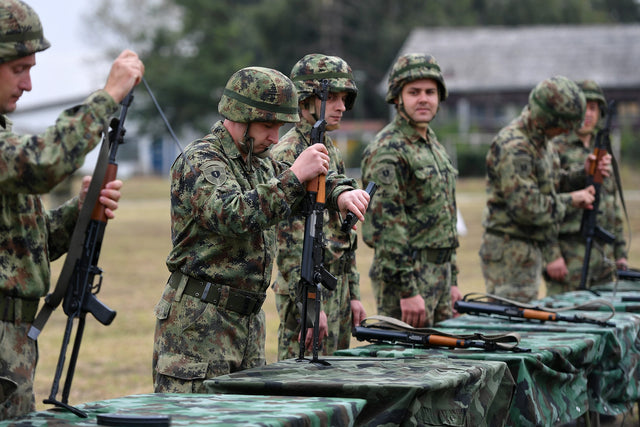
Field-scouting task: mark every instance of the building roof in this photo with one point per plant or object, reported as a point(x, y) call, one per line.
point(494, 59)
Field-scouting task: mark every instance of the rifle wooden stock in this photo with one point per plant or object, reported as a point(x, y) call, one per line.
point(589, 226)
point(512, 311)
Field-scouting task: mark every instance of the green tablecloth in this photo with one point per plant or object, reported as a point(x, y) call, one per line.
point(434, 391)
point(623, 285)
point(614, 378)
point(570, 299)
point(551, 380)
point(216, 409)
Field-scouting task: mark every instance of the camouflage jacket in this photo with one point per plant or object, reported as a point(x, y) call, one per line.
point(291, 231)
point(30, 165)
point(415, 205)
point(572, 154)
point(521, 182)
point(223, 217)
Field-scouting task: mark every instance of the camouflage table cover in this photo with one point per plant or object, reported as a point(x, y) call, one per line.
point(405, 392)
point(613, 380)
point(570, 299)
point(204, 409)
point(622, 285)
point(551, 380)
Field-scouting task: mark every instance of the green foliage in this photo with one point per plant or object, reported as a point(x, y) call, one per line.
point(191, 47)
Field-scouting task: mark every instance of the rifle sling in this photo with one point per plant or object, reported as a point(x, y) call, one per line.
point(479, 297)
point(506, 341)
point(52, 300)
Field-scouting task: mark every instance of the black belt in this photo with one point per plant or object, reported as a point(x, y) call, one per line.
point(241, 302)
point(512, 237)
point(436, 256)
point(8, 308)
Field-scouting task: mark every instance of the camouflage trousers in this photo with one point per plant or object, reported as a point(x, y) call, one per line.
point(18, 359)
point(512, 268)
point(195, 340)
point(601, 265)
point(434, 284)
point(336, 305)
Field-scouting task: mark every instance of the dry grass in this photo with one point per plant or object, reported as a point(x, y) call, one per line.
point(115, 360)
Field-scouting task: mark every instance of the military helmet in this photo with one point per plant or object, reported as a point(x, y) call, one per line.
point(307, 75)
point(414, 66)
point(257, 94)
point(20, 31)
point(593, 92)
point(557, 102)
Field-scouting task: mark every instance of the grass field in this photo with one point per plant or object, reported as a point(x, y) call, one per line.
point(115, 360)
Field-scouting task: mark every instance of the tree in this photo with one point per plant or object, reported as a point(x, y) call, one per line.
point(191, 47)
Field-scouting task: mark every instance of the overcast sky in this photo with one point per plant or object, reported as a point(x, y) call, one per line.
point(65, 69)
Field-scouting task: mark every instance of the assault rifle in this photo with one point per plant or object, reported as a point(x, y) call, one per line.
point(77, 284)
point(384, 336)
point(589, 226)
point(313, 274)
point(509, 311)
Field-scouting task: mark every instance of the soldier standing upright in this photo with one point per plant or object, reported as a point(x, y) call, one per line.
point(412, 220)
point(573, 149)
point(523, 209)
point(31, 165)
point(223, 218)
point(342, 308)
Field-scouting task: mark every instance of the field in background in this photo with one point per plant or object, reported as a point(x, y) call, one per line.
point(115, 360)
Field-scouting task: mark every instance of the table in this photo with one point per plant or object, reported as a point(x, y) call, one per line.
point(613, 380)
point(551, 380)
point(570, 299)
point(215, 409)
point(434, 391)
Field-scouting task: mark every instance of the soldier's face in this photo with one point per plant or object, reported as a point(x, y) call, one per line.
point(264, 135)
point(334, 108)
point(591, 116)
point(420, 98)
point(15, 78)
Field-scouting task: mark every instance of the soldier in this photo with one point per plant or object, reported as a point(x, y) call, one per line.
point(412, 220)
point(523, 210)
point(223, 217)
point(342, 308)
point(32, 165)
point(573, 149)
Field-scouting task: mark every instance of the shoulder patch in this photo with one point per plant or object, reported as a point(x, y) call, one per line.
point(215, 172)
point(386, 174)
point(522, 166)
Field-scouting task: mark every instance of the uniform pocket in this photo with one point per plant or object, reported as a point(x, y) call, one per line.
point(181, 367)
point(492, 248)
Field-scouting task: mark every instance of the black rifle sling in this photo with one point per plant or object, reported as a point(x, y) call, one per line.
point(505, 341)
point(53, 299)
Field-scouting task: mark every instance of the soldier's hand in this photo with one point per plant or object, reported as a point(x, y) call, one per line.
point(358, 314)
point(413, 311)
point(603, 166)
point(355, 201)
point(456, 295)
point(557, 269)
point(323, 332)
point(311, 162)
point(126, 72)
point(583, 198)
point(622, 264)
point(109, 195)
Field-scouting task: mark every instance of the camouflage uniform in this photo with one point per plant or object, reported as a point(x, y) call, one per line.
point(210, 320)
point(340, 249)
point(523, 210)
point(572, 154)
point(31, 236)
point(411, 221)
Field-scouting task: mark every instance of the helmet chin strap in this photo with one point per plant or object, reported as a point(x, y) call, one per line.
point(403, 113)
point(246, 146)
